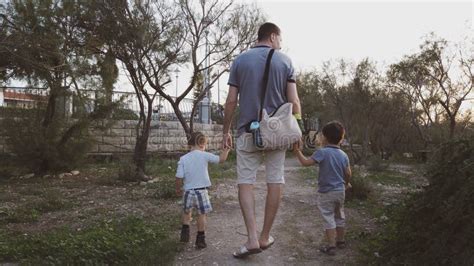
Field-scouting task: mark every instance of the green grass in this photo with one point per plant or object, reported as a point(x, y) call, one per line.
point(389, 178)
point(308, 173)
point(161, 167)
point(9, 168)
point(126, 241)
point(46, 200)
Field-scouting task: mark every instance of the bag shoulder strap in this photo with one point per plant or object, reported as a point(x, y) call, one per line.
point(265, 82)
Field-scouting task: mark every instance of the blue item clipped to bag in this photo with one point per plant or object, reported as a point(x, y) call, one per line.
point(257, 138)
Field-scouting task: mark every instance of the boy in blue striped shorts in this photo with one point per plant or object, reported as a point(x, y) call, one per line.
point(334, 176)
point(192, 172)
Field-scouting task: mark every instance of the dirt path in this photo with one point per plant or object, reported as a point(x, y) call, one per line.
point(297, 229)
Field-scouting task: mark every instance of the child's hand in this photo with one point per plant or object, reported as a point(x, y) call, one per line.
point(348, 186)
point(179, 192)
point(296, 146)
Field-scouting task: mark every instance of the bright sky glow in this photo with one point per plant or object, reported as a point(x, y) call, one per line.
point(317, 31)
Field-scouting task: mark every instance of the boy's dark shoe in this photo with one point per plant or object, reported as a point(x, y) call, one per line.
point(185, 234)
point(341, 244)
point(331, 251)
point(201, 241)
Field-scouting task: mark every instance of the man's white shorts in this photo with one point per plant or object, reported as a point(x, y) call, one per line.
point(249, 159)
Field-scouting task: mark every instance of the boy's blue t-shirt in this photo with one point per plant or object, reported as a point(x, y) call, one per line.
point(332, 164)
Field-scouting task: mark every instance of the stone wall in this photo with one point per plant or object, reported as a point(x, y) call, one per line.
point(164, 137)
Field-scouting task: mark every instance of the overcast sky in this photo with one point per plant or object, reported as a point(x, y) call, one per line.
point(317, 31)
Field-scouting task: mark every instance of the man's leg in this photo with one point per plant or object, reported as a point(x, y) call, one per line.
point(247, 205)
point(248, 161)
point(272, 203)
point(274, 171)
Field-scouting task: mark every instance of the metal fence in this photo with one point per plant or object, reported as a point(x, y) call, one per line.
point(162, 109)
point(72, 102)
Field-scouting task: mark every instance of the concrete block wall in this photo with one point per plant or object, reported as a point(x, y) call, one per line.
point(166, 136)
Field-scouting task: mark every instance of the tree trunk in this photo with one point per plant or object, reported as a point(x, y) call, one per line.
point(141, 145)
point(48, 118)
point(188, 129)
point(365, 145)
point(452, 126)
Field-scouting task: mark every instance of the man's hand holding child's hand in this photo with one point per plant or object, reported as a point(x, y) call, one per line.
point(297, 146)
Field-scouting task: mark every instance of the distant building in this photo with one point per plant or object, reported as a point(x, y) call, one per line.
point(20, 98)
point(1, 97)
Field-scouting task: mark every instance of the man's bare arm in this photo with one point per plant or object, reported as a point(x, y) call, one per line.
point(230, 105)
point(292, 96)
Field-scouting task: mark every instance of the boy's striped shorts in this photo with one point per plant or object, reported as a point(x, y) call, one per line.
point(197, 198)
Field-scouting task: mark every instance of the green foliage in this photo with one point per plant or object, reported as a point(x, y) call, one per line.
point(45, 201)
point(160, 166)
point(361, 188)
point(9, 167)
point(309, 173)
point(111, 242)
point(389, 178)
point(39, 149)
point(126, 171)
point(165, 188)
point(15, 112)
point(435, 226)
point(124, 114)
point(377, 164)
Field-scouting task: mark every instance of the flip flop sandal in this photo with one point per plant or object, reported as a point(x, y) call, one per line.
point(271, 241)
point(244, 252)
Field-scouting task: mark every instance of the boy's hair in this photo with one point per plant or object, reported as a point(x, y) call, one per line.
point(333, 132)
point(197, 138)
point(266, 30)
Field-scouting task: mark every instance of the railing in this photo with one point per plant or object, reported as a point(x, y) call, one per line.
point(29, 97)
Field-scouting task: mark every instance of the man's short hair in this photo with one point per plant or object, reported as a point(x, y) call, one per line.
point(197, 138)
point(333, 132)
point(266, 30)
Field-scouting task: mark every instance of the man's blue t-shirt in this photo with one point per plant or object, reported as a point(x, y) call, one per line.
point(247, 73)
point(332, 164)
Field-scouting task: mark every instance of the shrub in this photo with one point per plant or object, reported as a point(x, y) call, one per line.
point(165, 188)
point(377, 164)
point(361, 188)
point(435, 226)
point(126, 171)
point(124, 114)
point(59, 145)
point(38, 148)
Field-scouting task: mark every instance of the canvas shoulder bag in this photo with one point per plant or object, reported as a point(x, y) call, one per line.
point(278, 130)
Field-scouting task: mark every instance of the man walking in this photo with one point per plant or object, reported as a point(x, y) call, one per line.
point(245, 86)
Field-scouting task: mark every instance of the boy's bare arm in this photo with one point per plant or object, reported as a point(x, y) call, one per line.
point(303, 160)
point(223, 156)
point(347, 175)
point(179, 186)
